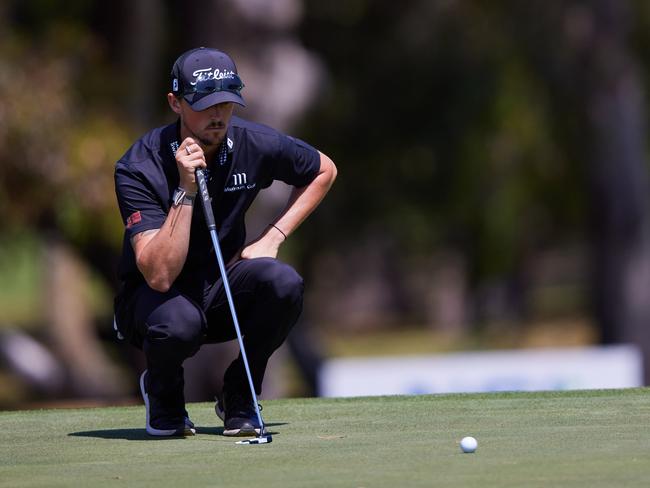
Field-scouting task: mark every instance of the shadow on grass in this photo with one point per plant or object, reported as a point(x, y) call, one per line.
point(141, 434)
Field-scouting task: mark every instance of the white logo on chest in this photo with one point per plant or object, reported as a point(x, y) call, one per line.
point(239, 179)
point(239, 182)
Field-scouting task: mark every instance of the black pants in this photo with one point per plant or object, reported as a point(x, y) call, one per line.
point(172, 327)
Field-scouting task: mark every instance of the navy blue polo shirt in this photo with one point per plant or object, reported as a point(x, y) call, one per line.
point(251, 157)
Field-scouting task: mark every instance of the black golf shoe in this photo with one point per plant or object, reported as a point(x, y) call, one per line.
point(165, 418)
point(238, 414)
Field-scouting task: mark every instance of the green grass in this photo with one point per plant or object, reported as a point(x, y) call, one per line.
point(589, 438)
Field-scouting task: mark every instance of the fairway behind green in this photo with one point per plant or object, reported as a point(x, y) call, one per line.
point(589, 438)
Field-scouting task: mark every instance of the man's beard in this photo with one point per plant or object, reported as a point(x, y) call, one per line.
point(206, 142)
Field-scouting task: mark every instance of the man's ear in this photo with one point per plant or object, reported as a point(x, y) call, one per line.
point(174, 103)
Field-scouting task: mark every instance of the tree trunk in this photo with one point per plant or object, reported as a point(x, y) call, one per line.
point(70, 326)
point(619, 183)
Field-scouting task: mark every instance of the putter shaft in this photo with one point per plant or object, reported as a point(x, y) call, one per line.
point(209, 219)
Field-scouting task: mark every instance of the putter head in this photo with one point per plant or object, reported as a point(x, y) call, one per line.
point(262, 439)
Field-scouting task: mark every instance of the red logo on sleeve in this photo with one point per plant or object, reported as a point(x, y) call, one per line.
point(133, 219)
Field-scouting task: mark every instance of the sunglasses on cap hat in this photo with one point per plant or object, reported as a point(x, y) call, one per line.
point(232, 84)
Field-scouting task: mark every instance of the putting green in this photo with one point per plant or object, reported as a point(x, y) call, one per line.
point(588, 438)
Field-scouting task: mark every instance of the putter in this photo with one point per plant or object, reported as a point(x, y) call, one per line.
point(263, 437)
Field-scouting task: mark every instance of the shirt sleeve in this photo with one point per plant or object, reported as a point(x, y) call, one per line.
point(297, 162)
point(139, 204)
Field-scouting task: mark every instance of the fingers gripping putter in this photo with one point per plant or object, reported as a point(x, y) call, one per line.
point(263, 437)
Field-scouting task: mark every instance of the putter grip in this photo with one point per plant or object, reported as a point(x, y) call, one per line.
point(205, 199)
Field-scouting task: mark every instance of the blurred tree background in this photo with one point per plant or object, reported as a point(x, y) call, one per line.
point(493, 171)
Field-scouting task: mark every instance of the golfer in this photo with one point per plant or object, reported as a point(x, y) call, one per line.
point(172, 299)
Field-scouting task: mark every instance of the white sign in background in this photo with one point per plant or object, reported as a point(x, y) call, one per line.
point(516, 370)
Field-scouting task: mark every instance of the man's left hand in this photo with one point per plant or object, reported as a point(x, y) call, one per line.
point(265, 246)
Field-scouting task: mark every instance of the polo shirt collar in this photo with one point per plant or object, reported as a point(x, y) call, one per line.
point(230, 138)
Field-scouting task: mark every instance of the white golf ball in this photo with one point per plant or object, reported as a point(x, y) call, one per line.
point(468, 444)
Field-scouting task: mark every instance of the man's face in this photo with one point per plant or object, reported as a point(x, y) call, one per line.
point(207, 126)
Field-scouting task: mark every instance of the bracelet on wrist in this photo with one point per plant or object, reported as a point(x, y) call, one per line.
point(190, 194)
point(182, 197)
point(279, 230)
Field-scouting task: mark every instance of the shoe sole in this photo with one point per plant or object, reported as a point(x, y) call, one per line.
point(241, 432)
point(233, 432)
point(187, 431)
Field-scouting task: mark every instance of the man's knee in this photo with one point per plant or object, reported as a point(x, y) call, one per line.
point(178, 321)
point(281, 282)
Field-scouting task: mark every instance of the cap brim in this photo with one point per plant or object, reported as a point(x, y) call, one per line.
point(214, 99)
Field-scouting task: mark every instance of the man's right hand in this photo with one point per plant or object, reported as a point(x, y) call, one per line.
point(189, 157)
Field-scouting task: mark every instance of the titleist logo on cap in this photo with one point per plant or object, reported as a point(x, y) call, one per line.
point(210, 74)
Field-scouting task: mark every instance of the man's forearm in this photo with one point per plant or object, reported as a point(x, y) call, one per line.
point(160, 257)
point(303, 201)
